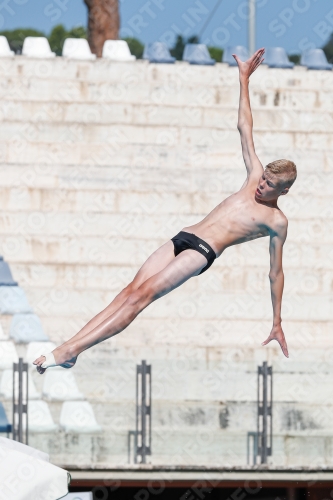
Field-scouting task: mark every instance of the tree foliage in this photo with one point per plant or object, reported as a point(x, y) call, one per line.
point(56, 38)
point(216, 53)
point(178, 49)
point(16, 37)
point(59, 34)
point(295, 58)
point(135, 46)
point(328, 49)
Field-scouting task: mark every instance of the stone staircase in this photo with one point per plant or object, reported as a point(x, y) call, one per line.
point(101, 162)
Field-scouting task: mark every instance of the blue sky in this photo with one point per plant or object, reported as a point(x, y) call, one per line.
point(293, 24)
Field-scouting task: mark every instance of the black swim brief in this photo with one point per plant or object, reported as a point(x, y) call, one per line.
point(189, 241)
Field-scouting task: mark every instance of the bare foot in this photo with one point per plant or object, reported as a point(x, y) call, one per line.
point(63, 357)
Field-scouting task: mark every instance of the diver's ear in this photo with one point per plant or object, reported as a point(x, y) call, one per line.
point(284, 191)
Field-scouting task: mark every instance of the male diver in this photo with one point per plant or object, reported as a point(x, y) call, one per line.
point(250, 213)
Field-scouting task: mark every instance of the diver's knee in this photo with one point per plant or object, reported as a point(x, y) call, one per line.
point(140, 298)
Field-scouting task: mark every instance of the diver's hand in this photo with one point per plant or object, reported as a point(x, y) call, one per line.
point(278, 335)
point(246, 68)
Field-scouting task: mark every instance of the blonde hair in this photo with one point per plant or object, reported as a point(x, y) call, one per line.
point(285, 169)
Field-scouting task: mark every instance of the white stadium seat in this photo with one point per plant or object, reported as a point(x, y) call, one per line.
point(78, 416)
point(3, 336)
point(8, 354)
point(60, 385)
point(6, 386)
point(4, 48)
point(37, 46)
point(26, 328)
point(77, 48)
point(117, 50)
point(13, 300)
point(40, 418)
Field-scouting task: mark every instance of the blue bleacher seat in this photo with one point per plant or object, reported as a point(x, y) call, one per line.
point(276, 57)
point(158, 52)
point(26, 328)
point(13, 300)
point(197, 53)
point(315, 59)
point(6, 278)
point(239, 50)
point(5, 426)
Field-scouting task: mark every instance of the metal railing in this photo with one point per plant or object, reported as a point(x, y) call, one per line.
point(143, 412)
point(20, 401)
point(265, 412)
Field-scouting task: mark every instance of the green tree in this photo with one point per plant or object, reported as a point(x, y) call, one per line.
point(16, 37)
point(135, 46)
point(295, 58)
point(328, 49)
point(216, 53)
point(178, 48)
point(77, 32)
point(59, 34)
point(56, 38)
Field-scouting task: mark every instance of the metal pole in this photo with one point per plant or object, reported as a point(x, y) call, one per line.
point(26, 404)
point(265, 411)
point(137, 430)
point(264, 420)
point(20, 401)
point(252, 27)
point(258, 413)
point(14, 434)
point(271, 412)
point(143, 412)
point(149, 408)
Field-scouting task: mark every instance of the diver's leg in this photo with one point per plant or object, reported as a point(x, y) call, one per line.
point(155, 263)
point(187, 264)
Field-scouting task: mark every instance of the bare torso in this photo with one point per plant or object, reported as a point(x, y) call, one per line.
point(238, 218)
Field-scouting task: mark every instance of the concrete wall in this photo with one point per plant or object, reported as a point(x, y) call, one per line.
point(101, 163)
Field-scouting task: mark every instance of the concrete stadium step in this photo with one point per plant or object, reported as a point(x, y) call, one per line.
point(95, 201)
point(201, 304)
point(227, 416)
point(235, 335)
point(223, 139)
point(215, 347)
point(180, 448)
point(215, 386)
point(162, 180)
point(221, 277)
point(119, 247)
point(179, 74)
point(29, 199)
point(177, 379)
point(177, 93)
point(132, 225)
point(283, 90)
point(203, 157)
point(158, 115)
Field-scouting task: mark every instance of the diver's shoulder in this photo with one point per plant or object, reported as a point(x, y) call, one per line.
point(280, 221)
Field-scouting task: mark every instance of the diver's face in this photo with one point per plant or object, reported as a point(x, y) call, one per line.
point(270, 187)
